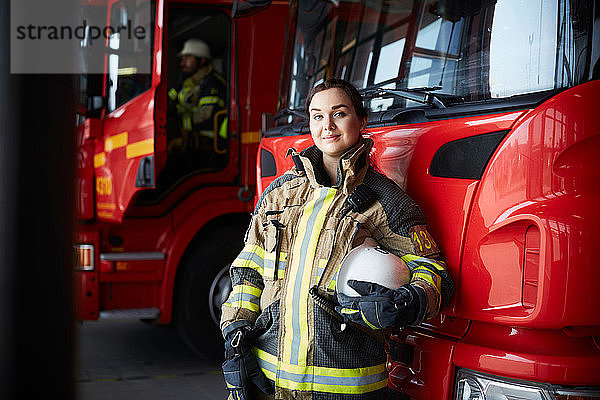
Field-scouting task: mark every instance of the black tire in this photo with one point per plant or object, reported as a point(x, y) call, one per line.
point(203, 285)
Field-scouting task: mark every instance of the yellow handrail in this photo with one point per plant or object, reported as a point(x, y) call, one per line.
point(216, 130)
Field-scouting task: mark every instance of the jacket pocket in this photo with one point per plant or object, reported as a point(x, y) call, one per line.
point(278, 232)
point(270, 293)
point(271, 238)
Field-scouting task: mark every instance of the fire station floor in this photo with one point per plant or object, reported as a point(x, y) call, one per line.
point(130, 359)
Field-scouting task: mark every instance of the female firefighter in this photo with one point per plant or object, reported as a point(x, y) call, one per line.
point(280, 336)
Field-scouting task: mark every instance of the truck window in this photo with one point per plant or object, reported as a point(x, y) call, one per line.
point(197, 112)
point(129, 61)
point(459, 49)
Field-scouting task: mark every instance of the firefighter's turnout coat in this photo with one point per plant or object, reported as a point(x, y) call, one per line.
point(196, 102)
point(297, 240)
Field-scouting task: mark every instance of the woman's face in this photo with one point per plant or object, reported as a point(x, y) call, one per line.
point(334, 125)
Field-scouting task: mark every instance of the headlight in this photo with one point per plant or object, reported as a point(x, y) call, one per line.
point(471, 385)
point(84, 257)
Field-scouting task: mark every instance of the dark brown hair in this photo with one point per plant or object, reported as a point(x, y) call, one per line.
point(347, 87)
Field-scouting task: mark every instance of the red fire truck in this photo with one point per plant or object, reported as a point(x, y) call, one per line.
point(153, 244)
point(483, 111)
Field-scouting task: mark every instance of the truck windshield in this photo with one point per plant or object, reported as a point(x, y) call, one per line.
point(464, 51)
point(130, 56)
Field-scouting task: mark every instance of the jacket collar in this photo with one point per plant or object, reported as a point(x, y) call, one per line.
point(199, 75)
point(351, 168)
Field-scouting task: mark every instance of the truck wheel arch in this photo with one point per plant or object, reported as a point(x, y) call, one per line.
point(194, 305)
point(197, 226)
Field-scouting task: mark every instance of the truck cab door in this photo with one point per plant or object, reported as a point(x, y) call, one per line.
point(124, 152)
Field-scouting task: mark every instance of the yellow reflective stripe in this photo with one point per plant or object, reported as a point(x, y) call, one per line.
point(296, 333)
point(322, 379)
point(99, 159)
point(223, 129)
point(208, 100)
point(187, 122)
point(207, 133)
point(332, 284)
point(256, 258)
point(428, 275)
point(183, 92)
point(269, 265)
point(141, 148)
point(413, 259)
point(173, 94)
point(132, 150)
point(244, 296)
point(321, 268)
point(267, 363)
point(344, 389)
point(425, 277)
point(250, 137)
point(242, 262)
point(115, 141)
point(348, 311)
point(318, 225)
point(423, 268)
point(254, 248)
point(367, 321)
point(243, 304)
point(268, 357)
point(246, 289)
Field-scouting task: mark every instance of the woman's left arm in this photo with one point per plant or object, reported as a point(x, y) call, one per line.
point(430, 279)
point(397, 223)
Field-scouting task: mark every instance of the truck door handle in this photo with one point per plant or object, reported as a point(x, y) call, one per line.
point(145, 172)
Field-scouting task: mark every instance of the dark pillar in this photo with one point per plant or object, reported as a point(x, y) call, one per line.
point(36, 184)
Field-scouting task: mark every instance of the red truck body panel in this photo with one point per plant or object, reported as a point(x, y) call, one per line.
point(518, 244)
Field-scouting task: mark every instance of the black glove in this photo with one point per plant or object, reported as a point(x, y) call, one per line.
point(240, 367)
point(379, 307)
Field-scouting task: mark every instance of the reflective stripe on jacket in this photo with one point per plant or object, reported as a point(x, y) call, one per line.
point(200, 96)
point(296, 240)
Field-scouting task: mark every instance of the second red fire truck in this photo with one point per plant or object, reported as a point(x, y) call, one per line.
point(153, 244)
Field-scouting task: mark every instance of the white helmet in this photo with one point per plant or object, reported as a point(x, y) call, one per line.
point(195, 47)
point(371, 263)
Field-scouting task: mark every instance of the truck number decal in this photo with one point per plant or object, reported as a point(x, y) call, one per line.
point(104, 186)
point(422, 240)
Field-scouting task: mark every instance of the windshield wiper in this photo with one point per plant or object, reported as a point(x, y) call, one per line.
point(420, 95)
point(289, 111)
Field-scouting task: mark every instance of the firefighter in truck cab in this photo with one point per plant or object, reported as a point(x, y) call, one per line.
point(284, 332)
point(201, 94)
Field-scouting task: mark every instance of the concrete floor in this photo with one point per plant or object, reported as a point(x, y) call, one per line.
point(130, 360)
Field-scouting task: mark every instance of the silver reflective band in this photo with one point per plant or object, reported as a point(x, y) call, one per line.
point(141, 256)
point(134, 313)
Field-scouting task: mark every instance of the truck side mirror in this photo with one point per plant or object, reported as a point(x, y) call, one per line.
point(244, 8)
